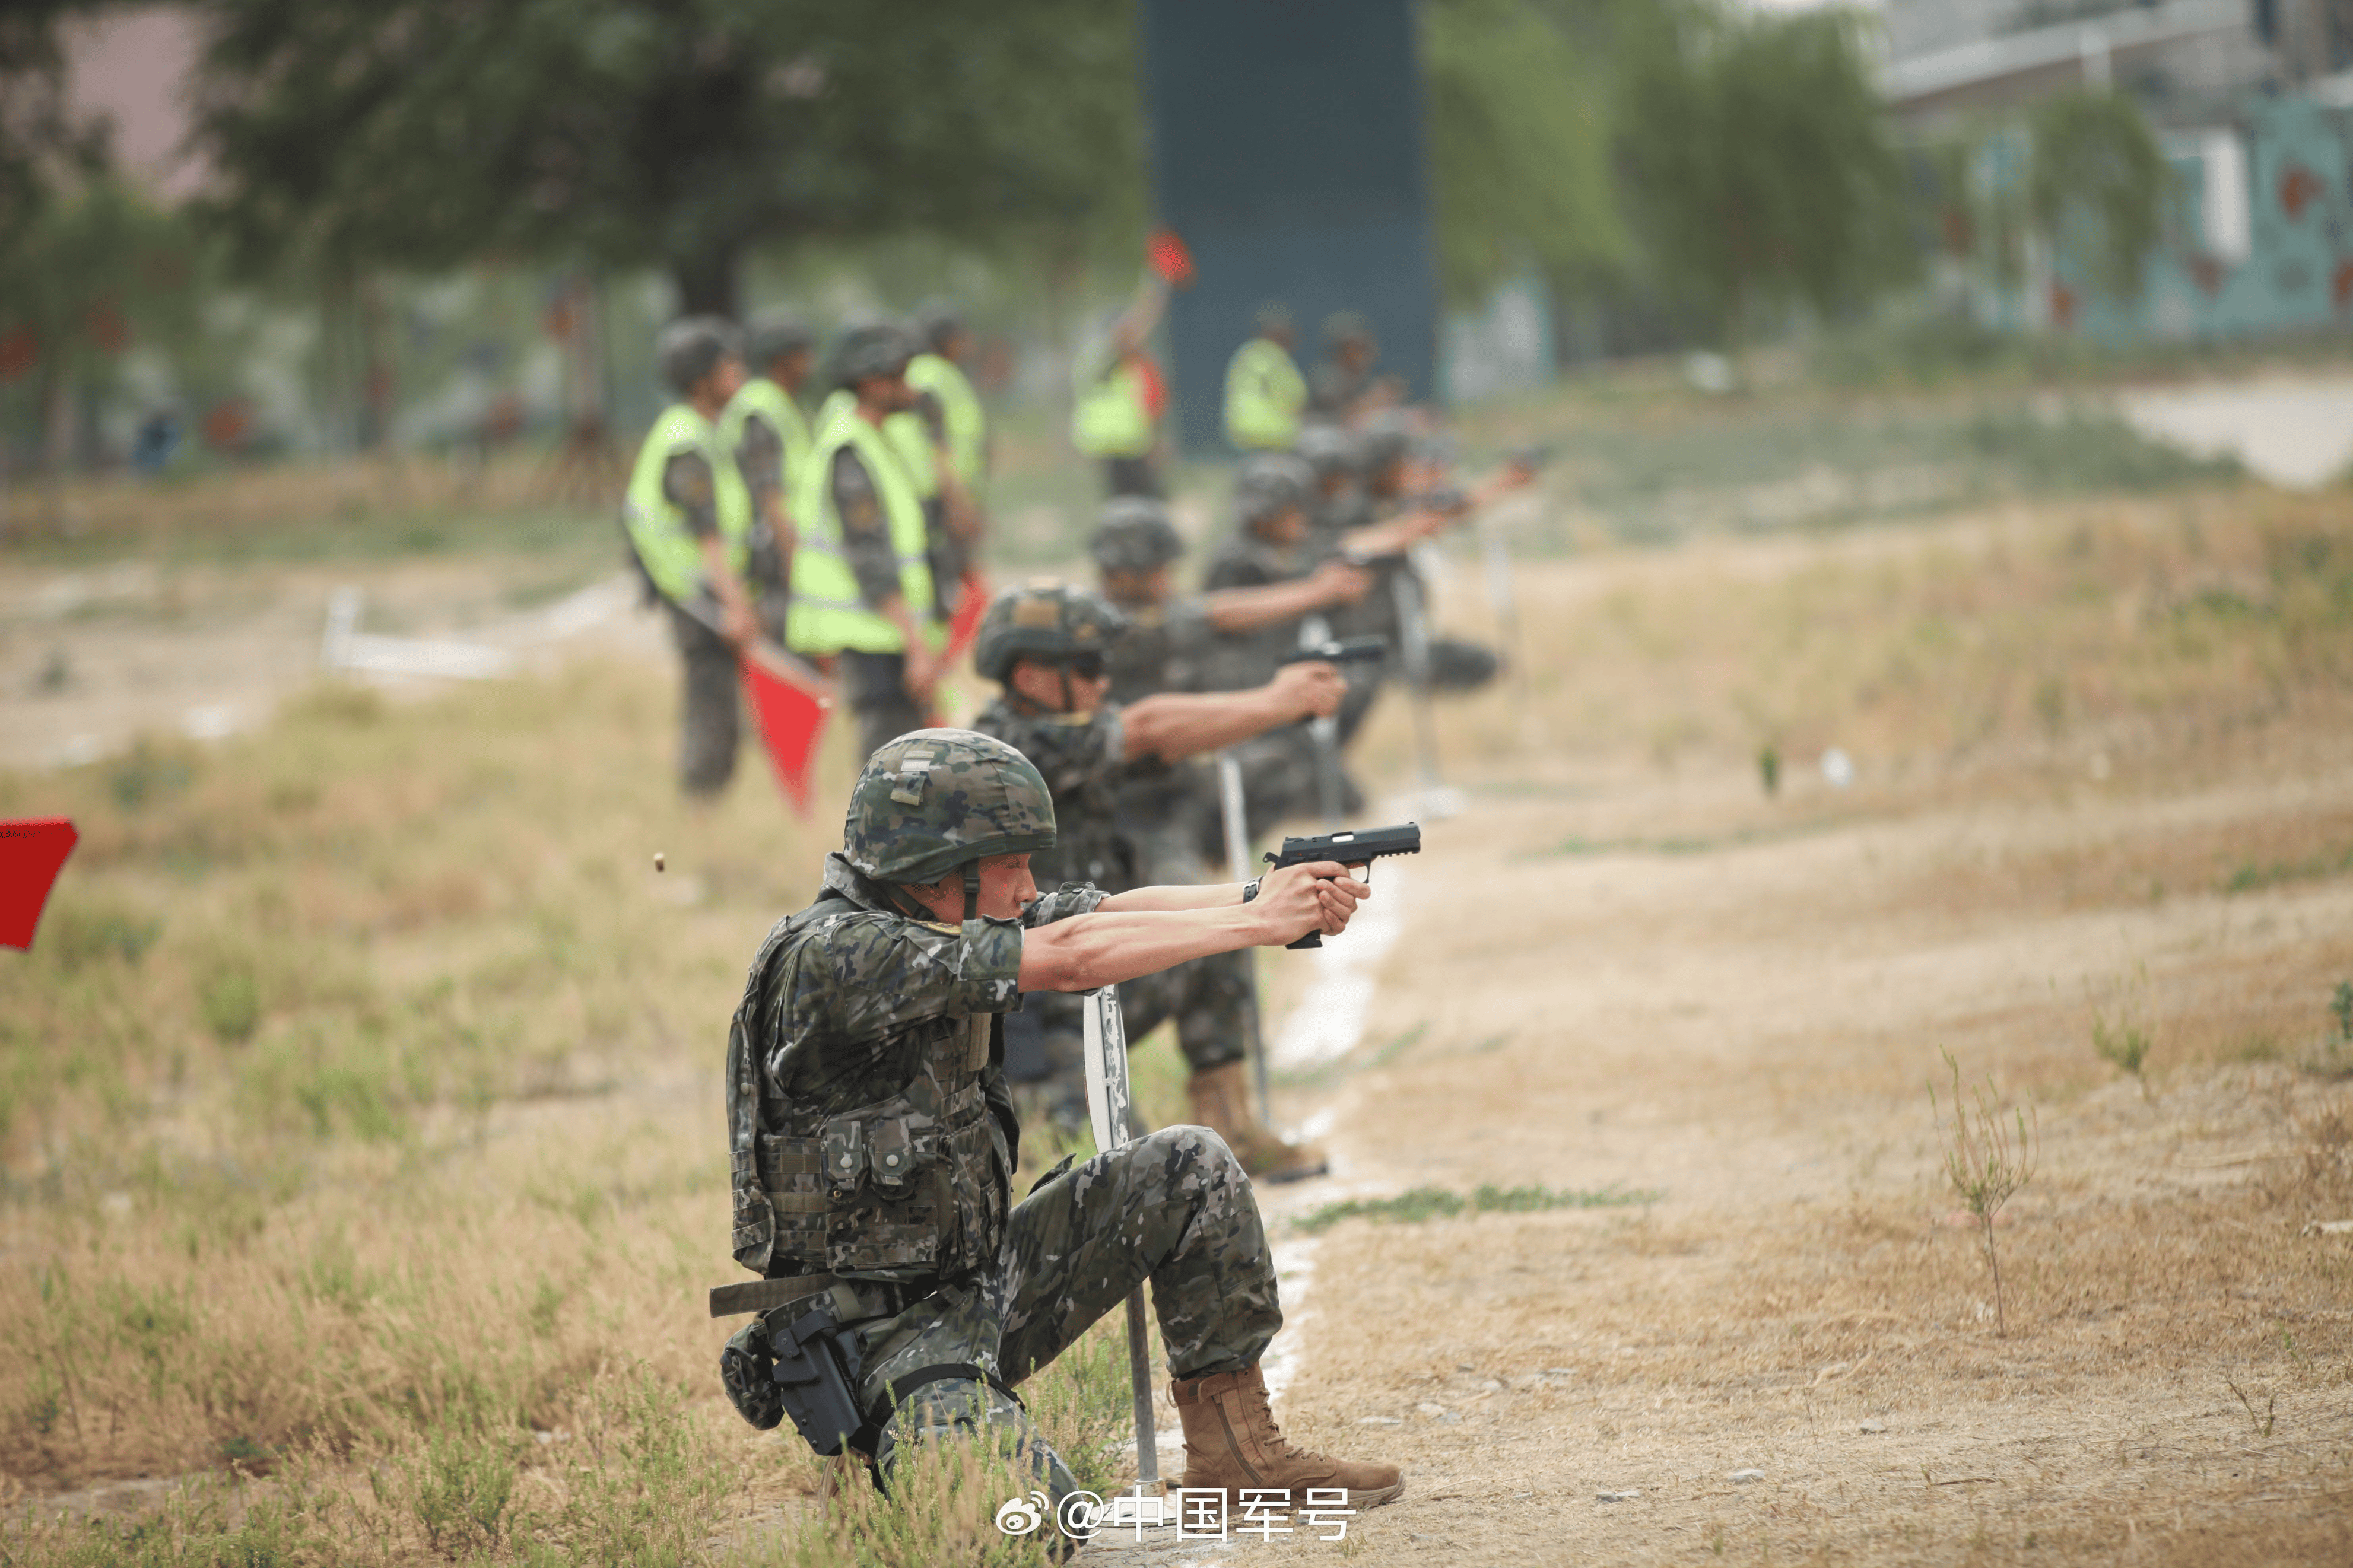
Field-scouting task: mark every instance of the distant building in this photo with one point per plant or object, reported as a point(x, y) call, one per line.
point(2252, 101)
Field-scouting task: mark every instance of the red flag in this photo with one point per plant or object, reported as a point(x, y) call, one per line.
point(791, 711)
point(1168, 256)
point(30, 855)
point(964, 625)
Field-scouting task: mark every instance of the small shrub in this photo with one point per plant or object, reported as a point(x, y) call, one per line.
point(1987, 1162)
point(231, 1002)
point(2124, 1044)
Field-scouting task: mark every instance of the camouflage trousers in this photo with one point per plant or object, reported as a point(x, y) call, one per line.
point(711, 714)
point(1174, 1207)
point(1208, 997)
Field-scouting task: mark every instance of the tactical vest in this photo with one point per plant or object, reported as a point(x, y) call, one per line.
point(913, 1189)
point(827, 613)
point(1108, 416)
point(772, 402)
point(960, 411)
point(657, 527)
point(1264, 392)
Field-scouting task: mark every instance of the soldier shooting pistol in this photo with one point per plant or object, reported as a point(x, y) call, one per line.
point(1351, 847)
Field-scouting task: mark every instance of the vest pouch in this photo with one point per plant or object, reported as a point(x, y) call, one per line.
point(843, 1142)
point(893, 1155)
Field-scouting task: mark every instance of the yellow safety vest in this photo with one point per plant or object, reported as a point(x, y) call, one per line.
point(967, 421)
point(1264, 394)
point(910, 438)
point(772, 402)
point(827, 613)
point(658, 528)
point(1108, 418)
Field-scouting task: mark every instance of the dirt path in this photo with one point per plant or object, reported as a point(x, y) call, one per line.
point(1748, 1032)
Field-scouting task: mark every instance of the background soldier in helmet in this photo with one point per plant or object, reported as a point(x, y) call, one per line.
point(1168, 810)
point(862, 586)
point(1345, 388)
point(689, 520)
point(1048, 646)
point(1409, 504)
point(767, 433)
point(873, 1138)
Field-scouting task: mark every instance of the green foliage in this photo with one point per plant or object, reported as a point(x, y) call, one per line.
point(2097, 183)
point(2124, 1044)
point(230, 1000)
point(2340, 1007)
point(428, 133)
point(1757, 168)
point(1519, 146)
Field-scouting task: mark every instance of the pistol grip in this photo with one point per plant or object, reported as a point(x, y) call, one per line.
point(1312, 939)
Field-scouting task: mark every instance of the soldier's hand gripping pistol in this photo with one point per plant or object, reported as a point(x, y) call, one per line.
point(1358, 847)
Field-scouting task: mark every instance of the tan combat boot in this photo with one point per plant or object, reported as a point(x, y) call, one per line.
point(1231, 1444)
point(1221, 1103)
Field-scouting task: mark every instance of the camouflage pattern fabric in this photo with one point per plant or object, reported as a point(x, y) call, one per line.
point(1174, 1208)
point(848, 1007)
point(1079, 756)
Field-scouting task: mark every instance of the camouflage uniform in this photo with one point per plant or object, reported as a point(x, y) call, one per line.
point(1080, 757)
point(864, 1029)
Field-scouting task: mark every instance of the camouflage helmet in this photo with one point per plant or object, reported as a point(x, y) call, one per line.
point(933, 800)
point(1134, 535)
point(871, 349)
point(937, 321)
point(1269, 484)
point(1329, 449)
point(774, 334)
point(1044, 621)
point(690, 348)
point(1387, 440)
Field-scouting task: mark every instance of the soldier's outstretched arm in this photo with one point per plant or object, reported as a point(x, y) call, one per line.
point(1234, 611)
point(1114, 944)
point(1175, 724)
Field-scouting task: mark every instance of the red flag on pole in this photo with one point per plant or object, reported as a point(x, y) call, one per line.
point(964, 625)
point(31, 852)
point(1168, 256)
point(790, 700)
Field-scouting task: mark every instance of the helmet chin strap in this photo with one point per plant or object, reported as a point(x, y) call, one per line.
point(971, 888)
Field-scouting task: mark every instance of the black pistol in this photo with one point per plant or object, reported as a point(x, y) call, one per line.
point(1346, 650)
point(1359, 846)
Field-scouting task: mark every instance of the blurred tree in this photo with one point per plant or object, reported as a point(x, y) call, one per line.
point(97, 269)
point(636, 133)
point(2097, 183)
point(1755, 163)
point(1519, 144)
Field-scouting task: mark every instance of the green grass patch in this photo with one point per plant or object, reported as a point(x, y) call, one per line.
point(1420, 1203)
point(2253, 875)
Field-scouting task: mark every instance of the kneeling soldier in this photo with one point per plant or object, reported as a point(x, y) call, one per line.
point(874, 1138)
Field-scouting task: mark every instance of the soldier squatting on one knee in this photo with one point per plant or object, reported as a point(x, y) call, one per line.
point(1049, 649)
point(873, 1134)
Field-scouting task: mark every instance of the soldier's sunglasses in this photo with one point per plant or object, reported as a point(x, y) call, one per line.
point(1086, 666)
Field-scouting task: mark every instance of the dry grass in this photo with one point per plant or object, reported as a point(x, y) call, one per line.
point(359, 1105)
